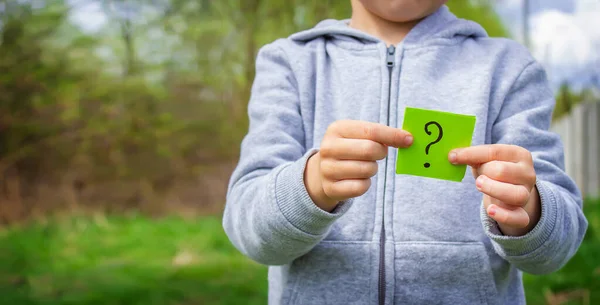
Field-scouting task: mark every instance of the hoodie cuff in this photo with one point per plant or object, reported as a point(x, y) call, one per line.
point(295, 203)
point(513, 246)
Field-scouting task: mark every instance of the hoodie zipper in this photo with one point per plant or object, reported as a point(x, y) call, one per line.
point(391, 51)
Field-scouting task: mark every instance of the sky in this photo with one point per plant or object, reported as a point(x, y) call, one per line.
point(565, 34)
point(88, 15)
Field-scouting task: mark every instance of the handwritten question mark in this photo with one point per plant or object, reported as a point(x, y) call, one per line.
point(439, 138)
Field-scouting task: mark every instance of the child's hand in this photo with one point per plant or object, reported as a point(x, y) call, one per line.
point(347, 160)
point(506, 176)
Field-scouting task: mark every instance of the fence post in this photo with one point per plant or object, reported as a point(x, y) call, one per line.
point(593, 141)
point(580, 134)
point(579, 142)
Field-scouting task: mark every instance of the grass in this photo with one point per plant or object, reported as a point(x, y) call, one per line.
point(126, 260)
point(171, 261)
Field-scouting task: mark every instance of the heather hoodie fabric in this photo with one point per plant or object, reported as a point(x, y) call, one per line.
point(408, 240)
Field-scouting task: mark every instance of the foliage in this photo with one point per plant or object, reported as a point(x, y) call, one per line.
point(481, 12)
point(567, 98)
point(152, 98)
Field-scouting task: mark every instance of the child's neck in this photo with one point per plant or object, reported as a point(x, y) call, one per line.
point(390, 32)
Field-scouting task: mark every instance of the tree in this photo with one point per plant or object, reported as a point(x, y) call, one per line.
point(155, 96)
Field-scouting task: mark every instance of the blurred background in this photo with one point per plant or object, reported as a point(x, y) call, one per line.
point(120, 123)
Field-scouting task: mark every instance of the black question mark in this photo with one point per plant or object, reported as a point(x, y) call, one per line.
point(440, 135)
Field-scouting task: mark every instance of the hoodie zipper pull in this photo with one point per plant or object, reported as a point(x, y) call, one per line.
point(391, 51)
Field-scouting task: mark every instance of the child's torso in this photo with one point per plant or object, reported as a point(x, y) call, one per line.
point(435, 249)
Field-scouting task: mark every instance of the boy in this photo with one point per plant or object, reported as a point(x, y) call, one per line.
point(315, 194)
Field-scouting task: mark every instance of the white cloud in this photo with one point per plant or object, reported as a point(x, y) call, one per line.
point(557, 37)
point(588, 14)
point(568, 43)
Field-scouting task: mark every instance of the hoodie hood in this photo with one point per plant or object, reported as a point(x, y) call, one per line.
point(441, 25)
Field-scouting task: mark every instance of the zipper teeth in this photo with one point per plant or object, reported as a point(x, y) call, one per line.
point(382, 265)
point(391, 50)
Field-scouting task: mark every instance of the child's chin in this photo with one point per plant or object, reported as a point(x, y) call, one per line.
point(403, 17)
point(406, 12)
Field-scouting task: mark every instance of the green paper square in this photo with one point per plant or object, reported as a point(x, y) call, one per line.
point(457, 132)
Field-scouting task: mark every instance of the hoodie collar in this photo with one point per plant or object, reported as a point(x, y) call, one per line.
point(441, 25)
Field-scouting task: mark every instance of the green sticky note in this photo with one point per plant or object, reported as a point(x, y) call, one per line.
point(435, 134)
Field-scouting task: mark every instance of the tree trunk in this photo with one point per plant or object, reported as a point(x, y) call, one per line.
point(127, 35)
point(250, 10)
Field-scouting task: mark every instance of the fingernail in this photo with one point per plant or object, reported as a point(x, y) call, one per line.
point(408, 140)
point(492, 210)
point(453, 157)
point(479, 182)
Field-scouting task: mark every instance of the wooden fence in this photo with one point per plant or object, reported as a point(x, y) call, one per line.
point(580, 134)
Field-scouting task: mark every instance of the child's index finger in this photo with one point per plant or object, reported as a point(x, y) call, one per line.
point(379, 133)
point(477, 155)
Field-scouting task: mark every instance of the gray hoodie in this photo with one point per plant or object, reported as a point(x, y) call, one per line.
point(408, 240)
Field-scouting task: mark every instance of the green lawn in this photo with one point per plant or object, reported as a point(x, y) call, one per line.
point(135, 260)
point(130, 261)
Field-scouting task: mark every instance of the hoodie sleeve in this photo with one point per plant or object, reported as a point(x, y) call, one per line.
point(269, 215)
point(524, 120)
